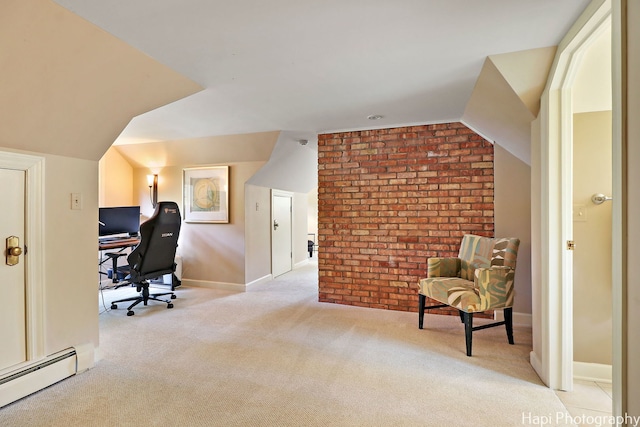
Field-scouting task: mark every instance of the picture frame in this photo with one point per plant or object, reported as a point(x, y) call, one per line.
point(206, 194)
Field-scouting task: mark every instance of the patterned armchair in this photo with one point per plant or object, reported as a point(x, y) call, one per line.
point(479, 279)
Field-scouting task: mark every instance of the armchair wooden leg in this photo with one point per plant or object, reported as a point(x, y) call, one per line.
point(461, 313)
point(508, 323)
point(468, 329)
point(421, 304)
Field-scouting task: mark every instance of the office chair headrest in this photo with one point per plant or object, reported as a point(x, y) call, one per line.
point(170, 211)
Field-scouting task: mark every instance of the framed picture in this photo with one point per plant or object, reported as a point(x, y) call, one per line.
point(206, 194)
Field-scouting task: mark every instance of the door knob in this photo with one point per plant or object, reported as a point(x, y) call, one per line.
point(13, 250)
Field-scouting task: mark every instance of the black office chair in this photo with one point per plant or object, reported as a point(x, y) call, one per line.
point(155, 255)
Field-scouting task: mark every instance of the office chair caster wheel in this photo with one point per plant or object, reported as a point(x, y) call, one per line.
point(169, 305)
point(113, 306)
point(130, 313)
point(173, 296)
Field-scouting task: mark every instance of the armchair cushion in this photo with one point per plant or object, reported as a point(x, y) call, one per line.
point(495, 287)
point(454, 291)
point(443, 267)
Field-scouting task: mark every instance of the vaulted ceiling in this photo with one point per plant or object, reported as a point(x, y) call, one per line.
point(321, 65)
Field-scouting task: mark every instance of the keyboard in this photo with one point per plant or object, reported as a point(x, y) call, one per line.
point(111, 239)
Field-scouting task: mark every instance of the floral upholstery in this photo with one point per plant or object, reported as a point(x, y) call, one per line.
point(480, 279)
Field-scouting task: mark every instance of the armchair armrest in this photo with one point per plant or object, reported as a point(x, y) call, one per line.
point(443, 267)
point(495, 287)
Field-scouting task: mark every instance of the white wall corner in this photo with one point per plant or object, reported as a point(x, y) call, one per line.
point(536, 364)
point(85, 354)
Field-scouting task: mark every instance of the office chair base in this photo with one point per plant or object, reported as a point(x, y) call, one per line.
point(144, 297)
point(131, 313)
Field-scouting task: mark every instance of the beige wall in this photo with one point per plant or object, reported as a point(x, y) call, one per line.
point(513, 219)
point(116, 176)
point(70, 253)
point(592, 85)
point(536, 240)
point(211, 253)
point(592, 234)
point(257, 232)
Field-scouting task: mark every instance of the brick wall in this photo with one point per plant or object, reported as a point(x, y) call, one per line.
point(390, 198)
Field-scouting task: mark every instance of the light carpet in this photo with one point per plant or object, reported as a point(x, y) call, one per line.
point(275, 356)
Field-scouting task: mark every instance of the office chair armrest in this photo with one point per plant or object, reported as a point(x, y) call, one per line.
point(443, 267)
point(495, 287)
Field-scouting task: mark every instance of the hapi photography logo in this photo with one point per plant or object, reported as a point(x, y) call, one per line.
point(566, 419)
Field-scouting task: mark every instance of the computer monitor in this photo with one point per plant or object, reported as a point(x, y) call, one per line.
point(119, 220)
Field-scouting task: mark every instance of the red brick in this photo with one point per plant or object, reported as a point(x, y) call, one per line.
point(390, 198)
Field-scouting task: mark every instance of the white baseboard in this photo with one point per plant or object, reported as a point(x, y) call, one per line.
point(38, 375)
point(263, 279)
point(519, 319)
point(592, 372)
point(238, 287)
point(301, 263)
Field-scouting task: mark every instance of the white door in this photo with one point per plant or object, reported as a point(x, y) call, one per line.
point(12, 277)
point(281, 246)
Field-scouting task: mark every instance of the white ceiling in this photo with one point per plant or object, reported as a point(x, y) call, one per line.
point(321, 65)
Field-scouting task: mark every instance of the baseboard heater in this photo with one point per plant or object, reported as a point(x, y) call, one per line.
point(29, 379)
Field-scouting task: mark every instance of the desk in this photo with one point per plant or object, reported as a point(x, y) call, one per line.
point(116, 243)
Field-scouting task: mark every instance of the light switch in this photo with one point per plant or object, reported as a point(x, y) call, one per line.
point(76, 201)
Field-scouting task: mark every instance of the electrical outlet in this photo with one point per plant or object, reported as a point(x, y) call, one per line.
point(76, 201)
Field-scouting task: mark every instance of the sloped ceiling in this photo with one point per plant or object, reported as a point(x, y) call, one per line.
point(80, 74)
point(68, 87)
point(592, 88)
point(506, 98)
point(321, 65)
point(255, 147)
point(293, 165)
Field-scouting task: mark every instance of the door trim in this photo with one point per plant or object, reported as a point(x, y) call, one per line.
point(281, 193)
point(555, 362)
point(33, 166)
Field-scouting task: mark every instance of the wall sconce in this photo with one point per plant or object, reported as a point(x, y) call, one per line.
point(152, 181)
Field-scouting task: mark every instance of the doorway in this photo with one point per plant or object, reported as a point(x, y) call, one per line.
point(592, 218)
point(553, 353)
